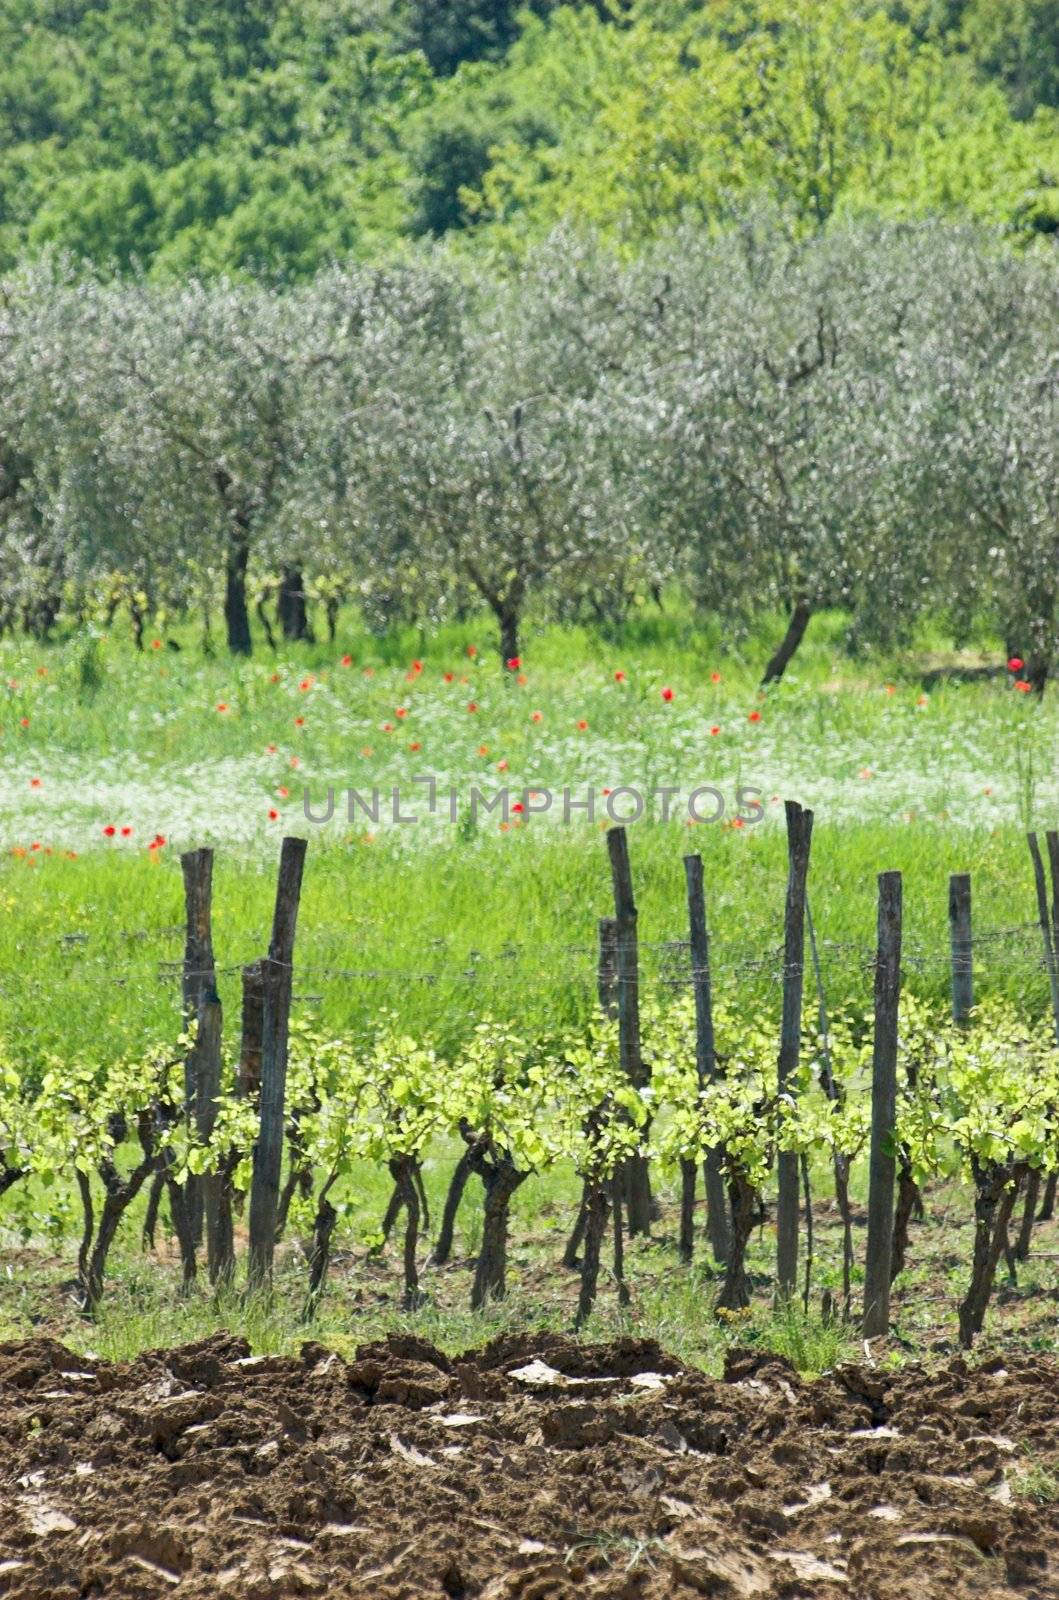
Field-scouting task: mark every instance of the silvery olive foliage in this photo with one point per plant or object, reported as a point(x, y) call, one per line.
point(865, 419)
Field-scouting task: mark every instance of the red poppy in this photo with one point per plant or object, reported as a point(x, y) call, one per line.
point(1022, 686)
point(274, 678)
point(156, 644)
point(417, 666)
point(42, 672)
point(582, 726)
point(34, 846)
point(157, 842)
point(537, 716)
point(71, 855)
point(755, 716)
point(1015, 664)
point(299, 722)
point(24, 722)
point(619, 677)
point(126, 830)
point(922, 701)
point(273, 814)
point(222, 705)
point(387, 727)
point(110, 830)
point(415, 745)
point(518, 806)
point(369, 672)
point(715, 677)
point(513, 663)
point(271, 749)
point(402, 711)
point(522, 678)
point(667, 694)
point(891, 688)
point(347, 661)
point(472, 650)
point(473, 706)
point(501, 766)
point(483, 749)
point(294, 761)
point(283, 791)
point(449, 677)
point(737, 822)
point(34, 783)
point(715, 729)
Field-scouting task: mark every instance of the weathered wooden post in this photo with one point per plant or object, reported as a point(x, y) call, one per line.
point(199, 978)
point(717, 1230)
point(1049, 921)
point(961, 947)
point(268, 1152)
point(1046, 918)
point(607, 969)
point(607, 990)
point(799, 837)
point(248, 1072)
point(628, 972)
point(882, 1165)
point(220, 1259)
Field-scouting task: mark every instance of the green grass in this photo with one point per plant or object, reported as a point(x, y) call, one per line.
point(442, 924)
point(1035, 1483)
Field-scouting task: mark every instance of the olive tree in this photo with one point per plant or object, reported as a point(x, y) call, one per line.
point(990, 365)
point(501, 461)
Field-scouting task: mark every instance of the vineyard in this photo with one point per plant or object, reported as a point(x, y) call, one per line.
point(688, 1083)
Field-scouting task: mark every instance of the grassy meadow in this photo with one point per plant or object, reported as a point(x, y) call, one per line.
point(105, 752)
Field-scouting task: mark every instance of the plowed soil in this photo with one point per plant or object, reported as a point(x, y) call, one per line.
point(531, 1469)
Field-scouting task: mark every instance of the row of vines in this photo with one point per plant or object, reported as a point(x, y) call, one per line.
point(976, 1103)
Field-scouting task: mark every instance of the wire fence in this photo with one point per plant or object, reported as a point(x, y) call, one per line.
point(663, 962)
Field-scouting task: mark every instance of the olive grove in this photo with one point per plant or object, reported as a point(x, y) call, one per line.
point(863, 419)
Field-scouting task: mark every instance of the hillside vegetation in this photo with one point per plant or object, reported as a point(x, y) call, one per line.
point(273, 136)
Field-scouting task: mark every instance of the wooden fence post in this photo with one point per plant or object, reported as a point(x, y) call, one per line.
point(1047, 919)
point(717, 1230)
point(799, 837)
point(207, 1070)
point(961, 946)
point(199, 978)
point(628, 972)
point(607, 971)
point(882, 1164)
point(268, 1152)
point(607, 990)
point(248, 1072)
